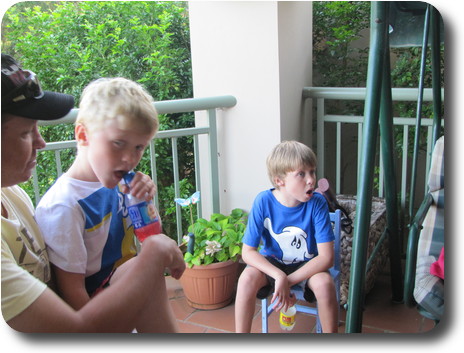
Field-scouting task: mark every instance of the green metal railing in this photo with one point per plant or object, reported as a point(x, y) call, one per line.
point(322, 96)
point(209, 104)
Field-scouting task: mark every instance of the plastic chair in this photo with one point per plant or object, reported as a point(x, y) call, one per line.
point(335, 271)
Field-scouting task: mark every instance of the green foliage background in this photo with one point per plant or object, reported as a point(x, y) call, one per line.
point(340, 58)
point(69, 44)
point(339, 61)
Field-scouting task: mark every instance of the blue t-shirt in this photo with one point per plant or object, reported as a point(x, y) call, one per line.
point(288, 234)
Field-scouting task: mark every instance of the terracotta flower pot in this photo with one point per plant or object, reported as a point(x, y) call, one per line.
point(210, 287)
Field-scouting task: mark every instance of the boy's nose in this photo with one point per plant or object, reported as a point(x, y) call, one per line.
point(129, 158)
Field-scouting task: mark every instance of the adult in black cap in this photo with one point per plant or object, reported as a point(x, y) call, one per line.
point(23, 104)
point(23, 96)
point(28, 303)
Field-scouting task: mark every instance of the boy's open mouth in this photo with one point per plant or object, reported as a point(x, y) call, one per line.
point(309, 192)
point(120, 173)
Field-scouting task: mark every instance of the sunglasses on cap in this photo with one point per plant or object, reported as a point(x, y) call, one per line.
point(30, 88)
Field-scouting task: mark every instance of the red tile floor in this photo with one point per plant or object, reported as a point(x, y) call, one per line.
point(380, 315)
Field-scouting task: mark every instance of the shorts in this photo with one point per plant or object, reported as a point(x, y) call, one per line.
point(103, 285)
point(265, 291)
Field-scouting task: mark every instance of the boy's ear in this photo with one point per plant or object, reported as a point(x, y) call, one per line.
point(279, 182)
point(81, 135)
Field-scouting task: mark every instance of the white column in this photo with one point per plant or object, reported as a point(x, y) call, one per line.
point(295, 68)
point(259, 52)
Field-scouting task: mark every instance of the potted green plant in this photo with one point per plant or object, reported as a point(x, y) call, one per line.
point(214, 247)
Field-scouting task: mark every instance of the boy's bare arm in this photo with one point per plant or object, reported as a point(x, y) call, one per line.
point(109, 310)
point(282, 295)
point(253, 258)
point(321, 263)
point(71, 287)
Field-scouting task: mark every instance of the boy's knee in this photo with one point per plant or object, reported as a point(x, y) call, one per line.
point(250, 280)
point(246, 276)
point(323, 284)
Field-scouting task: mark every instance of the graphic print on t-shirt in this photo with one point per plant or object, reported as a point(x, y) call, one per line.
point(292, 242)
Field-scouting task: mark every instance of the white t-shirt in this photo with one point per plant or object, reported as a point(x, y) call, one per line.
point(86, 228)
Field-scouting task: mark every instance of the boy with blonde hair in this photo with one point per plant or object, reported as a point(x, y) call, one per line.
point(293, 223)
point(83, 217)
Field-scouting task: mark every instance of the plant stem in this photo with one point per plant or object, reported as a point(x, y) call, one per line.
point(191, 216)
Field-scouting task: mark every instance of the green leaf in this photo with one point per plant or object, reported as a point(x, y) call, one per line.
point(235, 250)
point(208, 260)
point(196, 261)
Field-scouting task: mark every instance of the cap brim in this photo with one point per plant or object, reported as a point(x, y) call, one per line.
point(51, 106)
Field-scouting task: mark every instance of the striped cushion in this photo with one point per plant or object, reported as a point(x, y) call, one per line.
point(429, 289)
point(437, 169)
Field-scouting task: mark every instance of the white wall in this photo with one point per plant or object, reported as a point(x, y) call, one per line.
point(258, 52)
point(295, 68)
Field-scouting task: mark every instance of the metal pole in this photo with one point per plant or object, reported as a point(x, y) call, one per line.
point(379, 26)
point(214, 163)
point(425, 41)
point(388, 153)
point(436, 75)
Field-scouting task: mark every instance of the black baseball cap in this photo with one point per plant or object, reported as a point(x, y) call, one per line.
point(23, 96)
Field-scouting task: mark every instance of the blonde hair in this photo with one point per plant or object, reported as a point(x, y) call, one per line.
point(289, 156)
point(118, 99)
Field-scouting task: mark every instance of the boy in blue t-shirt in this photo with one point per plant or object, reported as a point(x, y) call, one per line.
point(293, 224)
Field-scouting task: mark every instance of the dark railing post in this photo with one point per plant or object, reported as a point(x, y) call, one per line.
point(425, 40)
point(436, 75)
point(379, 25)
point(388, 158)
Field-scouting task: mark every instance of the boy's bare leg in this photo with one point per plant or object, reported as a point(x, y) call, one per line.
point(157, 315)
point(250, 281)
point(324, 289)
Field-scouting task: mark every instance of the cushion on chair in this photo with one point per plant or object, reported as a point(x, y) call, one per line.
point(437, 169)
point(429, 289)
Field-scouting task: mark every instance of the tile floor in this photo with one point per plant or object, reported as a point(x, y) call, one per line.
point(380, 315)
